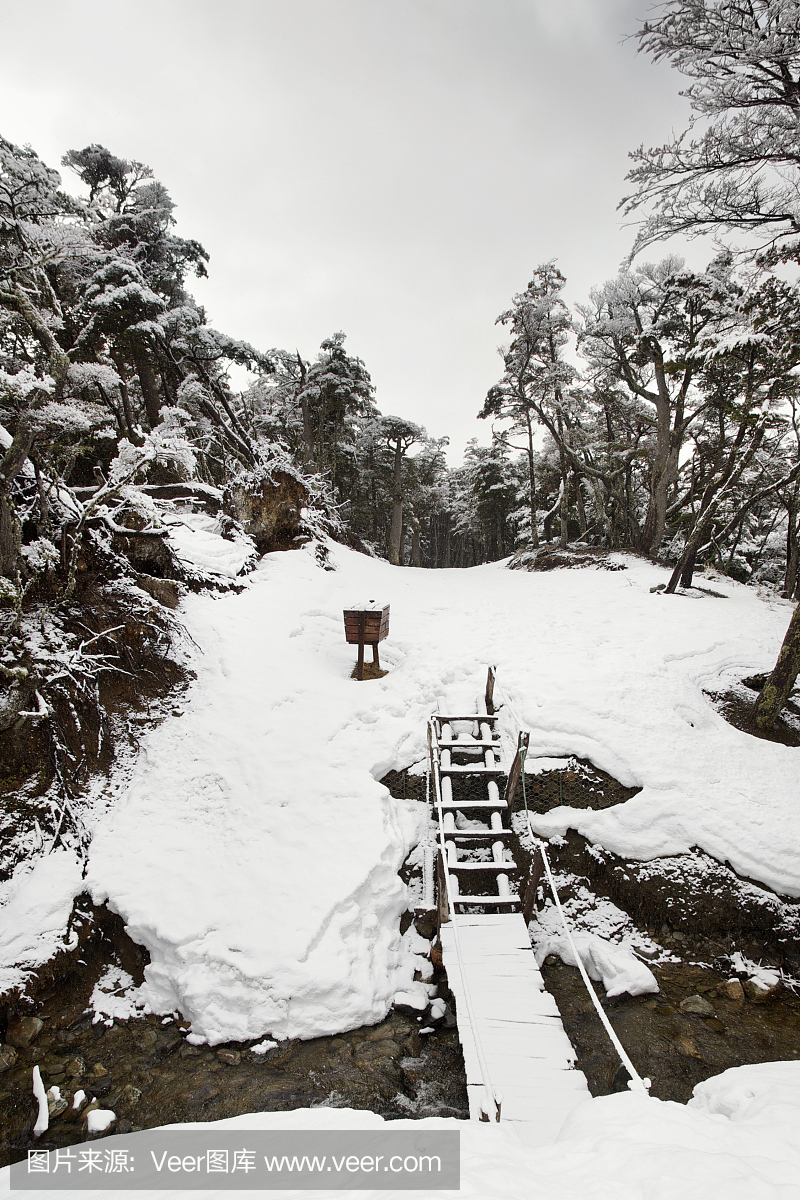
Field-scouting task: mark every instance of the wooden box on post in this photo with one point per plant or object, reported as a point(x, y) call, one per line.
point(366, 625)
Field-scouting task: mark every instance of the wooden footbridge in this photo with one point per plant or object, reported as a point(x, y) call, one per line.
point(519, 1061)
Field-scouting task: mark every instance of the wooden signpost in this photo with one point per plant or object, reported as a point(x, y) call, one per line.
point(366, 625)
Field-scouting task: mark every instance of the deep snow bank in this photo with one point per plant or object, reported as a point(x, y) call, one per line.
point(35, 906)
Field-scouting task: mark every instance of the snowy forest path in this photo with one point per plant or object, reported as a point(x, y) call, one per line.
point(517, 1056)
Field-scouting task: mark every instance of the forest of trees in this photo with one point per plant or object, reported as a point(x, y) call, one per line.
point(662, 415)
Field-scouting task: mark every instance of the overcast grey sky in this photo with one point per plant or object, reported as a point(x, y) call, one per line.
point(391, 168)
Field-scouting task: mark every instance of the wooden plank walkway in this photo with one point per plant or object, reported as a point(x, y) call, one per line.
point(529, 1055)
point(501, 1001)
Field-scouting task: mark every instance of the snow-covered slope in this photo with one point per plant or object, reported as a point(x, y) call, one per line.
point(254, 852)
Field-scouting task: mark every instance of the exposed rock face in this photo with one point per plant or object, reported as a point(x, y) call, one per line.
point(269, 510)
point(24, 1031)
point(165, 591)
point(8, 1056)
point(13, 700)
point(697, 1005)
point(759, 991)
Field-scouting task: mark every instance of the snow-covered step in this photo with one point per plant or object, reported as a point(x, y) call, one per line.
point(482, 718)
point(470, 769)
point(469, 743)
point(459, 835)
point(464, 898)
point(473, 804)
point(482, 866)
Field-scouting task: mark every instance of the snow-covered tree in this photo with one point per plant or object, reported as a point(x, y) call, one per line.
point(536, 373)
point(738, 165)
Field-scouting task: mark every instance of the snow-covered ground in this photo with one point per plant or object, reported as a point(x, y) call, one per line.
point(254, 852)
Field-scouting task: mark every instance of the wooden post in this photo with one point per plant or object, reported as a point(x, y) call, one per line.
point(360, 667)
point(490, 692)
point(442, 907)
point(537, 870)
point(516, 769)
point(376, 662)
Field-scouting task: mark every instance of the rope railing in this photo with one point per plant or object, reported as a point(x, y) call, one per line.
point(636, 1083)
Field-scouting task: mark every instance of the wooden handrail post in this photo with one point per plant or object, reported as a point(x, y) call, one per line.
point(490, 691)
point(516, 769)
point(442, 907)
point(537, 870)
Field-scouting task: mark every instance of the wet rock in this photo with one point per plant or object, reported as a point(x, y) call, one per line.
point(169, 1040)
point(132, 1094)
point(188, 1051)
point(412, 1046)
point(8, 1056)
point(202, 1095)
point(283, 1054)
point(696, 1005)
point(23, 1032)
point(732, 989)
point(426, 924)
point(56, 1105)
point(340, 1049)
point(377, 1033)
point(74, 1068)
point(98, 1071)
point(124, 1126)
point(374, 1051)
point(101, 1087)
point(760, 993)
point(716, 1025)
point(145, 1038)
point(231, 1058)
point(686, 1046)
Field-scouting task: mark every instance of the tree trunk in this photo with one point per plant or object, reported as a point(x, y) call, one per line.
point(582, 522)
point(308, 436)
point(563, 513)
point(149, 386)
point(10, 466)
point(792, 549)
point(396, 535)
point(531, 483)
point(416, 556)
point(775, 691)
point(656, 519)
